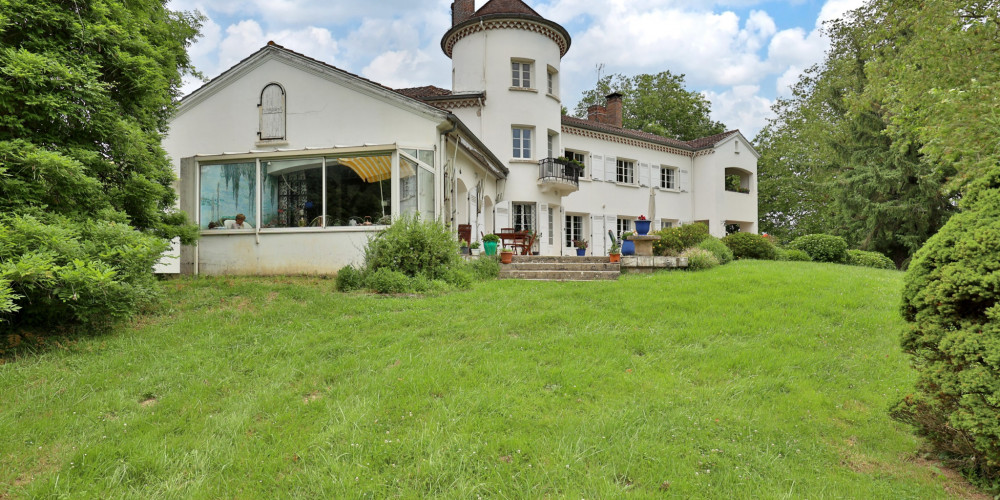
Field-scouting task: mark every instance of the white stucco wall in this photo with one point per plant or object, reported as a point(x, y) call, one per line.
point(712, 202)
point(322, 112)
point(325, 110)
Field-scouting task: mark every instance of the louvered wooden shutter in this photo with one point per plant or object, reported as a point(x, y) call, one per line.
point(597, 167)
point(684, 181)
point(610, 168)
point(644, 174)
point(654, 175)
point(502, 217)
point(610, 224)
point(542, 225)
point(596, 230)
point(272, 113)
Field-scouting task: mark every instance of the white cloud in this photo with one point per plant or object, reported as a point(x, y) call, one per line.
point(741, 107)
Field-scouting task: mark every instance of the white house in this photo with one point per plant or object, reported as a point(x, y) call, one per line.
point(318, 159)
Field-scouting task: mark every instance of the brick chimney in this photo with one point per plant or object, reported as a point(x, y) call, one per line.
point(614, 110)
point(461, 11)
point(597, 113)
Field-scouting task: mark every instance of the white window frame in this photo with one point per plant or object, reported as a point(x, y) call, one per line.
point(624, 224)
point(521, 73)
point(520, 136)
point(625, 171)
point(574, 229)
point(552, 85)
point(522, 216)
point(673, 173)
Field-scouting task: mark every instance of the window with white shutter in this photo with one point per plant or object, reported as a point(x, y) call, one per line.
point(610, 168)
point(272, 113)
point(596, 167)
point(643, 174)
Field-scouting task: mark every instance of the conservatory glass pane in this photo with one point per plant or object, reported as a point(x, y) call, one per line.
point(227, 190)
point(292, 193)
point(358, 190)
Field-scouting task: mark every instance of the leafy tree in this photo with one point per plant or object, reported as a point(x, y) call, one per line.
point(85, 92)
point(828, 166)
point(658, 104)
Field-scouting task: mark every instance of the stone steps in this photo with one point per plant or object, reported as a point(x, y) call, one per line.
point(550, 268)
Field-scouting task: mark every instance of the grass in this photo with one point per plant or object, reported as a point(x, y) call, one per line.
point(751, 380)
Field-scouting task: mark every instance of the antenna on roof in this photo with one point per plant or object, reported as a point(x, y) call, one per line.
point(600, 68)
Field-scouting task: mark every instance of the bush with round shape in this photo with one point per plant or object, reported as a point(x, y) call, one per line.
point(821, 247)
point(951, 302)
point(750, 246)
point(674, 240)
point(719, 249)
point(869, 259)
point(699, 259)
point(792, 254)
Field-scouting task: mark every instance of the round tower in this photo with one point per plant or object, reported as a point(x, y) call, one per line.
point(512, 54)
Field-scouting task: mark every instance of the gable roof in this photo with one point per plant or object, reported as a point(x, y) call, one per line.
point(694, 145)
point(404, 98)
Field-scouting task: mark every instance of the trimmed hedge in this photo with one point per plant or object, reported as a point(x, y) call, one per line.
point(750, 246)
point(869, 259)
point(822, 247)
point(674, 240)
point(793, 255)
point(951, 300)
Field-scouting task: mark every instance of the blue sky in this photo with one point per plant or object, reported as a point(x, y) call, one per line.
point(741, 54)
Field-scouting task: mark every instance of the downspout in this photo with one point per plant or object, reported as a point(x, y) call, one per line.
point(453, 179)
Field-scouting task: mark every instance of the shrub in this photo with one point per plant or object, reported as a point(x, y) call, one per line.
point(793, 254)
point(822, 247)
point(869, 259)
point(485, 267)
point(412, 246)
point(350, 278)
point(950, 301)
point(750, 246)
point(55, 271)
point(674, 240)
point(719, 249)
point(388, 281)
point(699, 258)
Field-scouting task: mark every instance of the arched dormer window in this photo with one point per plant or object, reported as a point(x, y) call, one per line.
point(272, 113)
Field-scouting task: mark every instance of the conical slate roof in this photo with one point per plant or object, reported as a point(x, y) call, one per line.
point(506, 7)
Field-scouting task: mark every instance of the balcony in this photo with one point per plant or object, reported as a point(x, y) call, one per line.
point(558, 176)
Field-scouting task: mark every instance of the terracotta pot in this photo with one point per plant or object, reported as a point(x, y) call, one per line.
point(506, 257)
point(616, 257)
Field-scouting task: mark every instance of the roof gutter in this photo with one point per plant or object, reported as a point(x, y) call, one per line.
point(494, 165)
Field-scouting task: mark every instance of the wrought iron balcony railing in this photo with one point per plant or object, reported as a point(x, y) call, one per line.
point(560, 171)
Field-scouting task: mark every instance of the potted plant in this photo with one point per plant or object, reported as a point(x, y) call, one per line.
point(615, 254)
point(490, 242)
point(581, 247)
point(464, 246)
point(506, 255)
point(628, 246)
point(642, 225)
point(474, 248)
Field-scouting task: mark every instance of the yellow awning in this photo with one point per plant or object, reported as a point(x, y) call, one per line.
point(375, 168)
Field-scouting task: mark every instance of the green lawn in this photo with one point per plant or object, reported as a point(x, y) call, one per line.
point(752, 380)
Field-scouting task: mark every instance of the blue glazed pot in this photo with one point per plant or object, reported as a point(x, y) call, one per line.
point(642, 227)
point(580, 252)
point(628, 247)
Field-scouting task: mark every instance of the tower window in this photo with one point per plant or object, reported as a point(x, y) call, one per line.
point(521, 74)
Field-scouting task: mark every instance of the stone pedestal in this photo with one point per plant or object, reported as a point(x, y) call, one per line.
point(644, 244)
